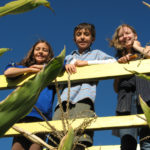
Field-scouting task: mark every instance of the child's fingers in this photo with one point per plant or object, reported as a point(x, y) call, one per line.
point(34, 70)
point(70, 68)
point(124, 59)
point(37, 66)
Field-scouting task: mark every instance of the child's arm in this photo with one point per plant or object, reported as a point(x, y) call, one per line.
point(81, 63)
point(143, 50)
point(106, 61)
point(127, 58)
point(71, 68)
point(14, 72)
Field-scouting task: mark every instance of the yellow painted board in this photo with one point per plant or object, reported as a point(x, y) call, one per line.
point(103, 147)
point(108, 147)
point(87, 73)
point(101, 123)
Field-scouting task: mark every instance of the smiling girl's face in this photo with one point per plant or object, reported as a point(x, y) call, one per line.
point(41, 53)
point(126, 37)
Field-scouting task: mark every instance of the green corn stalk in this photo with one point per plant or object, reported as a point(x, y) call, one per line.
point(143, 76)
point(3, 50)
point(140, 75)
point(21, 6)
point(20, 102)
point(146, 4)
point(67, 141)
point(146, 110)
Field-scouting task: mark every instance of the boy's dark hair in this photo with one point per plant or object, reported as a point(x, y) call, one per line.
point(87, 26)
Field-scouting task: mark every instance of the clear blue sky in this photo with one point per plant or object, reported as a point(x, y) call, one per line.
point(19, 32)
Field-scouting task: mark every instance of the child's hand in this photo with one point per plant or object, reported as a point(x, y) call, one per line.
point(71, 68)
point(33, 70)
point(136, 45)
point(80, 63)
point(124, 59)
point(36, 68)
point(127, 58)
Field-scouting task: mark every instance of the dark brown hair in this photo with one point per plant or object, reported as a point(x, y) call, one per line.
point(87, 26)
point(30, 60)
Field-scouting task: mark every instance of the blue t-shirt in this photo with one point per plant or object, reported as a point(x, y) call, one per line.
point(45, 99)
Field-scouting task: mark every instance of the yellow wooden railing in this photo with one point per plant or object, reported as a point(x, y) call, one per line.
point(88, 73)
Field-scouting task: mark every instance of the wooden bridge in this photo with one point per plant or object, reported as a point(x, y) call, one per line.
point(101, 71)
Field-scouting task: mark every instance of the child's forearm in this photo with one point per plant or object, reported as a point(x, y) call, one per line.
point(80, 63)
point(143, 50)
point(14, 72)
point(92, 62)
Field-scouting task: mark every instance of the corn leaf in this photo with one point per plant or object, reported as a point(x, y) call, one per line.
point(146, 4)
point(141, 75)
point(146, 110)
point(3, 50)
point(21, 6)
point(21, 101)
point(67, 141)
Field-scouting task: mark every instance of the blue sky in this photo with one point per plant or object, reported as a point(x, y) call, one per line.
point(19, 32)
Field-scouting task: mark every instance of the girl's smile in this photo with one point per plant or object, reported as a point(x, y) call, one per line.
point(126, 37)
point(41, 53)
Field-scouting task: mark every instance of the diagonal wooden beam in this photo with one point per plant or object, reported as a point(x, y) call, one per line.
point(89, 73)
point(108, 147)
point(101, 123)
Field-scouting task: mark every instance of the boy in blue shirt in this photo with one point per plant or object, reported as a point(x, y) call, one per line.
point(82, 95)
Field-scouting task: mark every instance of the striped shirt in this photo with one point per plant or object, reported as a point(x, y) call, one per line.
point(80, 91)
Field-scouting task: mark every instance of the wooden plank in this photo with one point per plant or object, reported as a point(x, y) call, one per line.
point(101, 123)
point(108, 147)
point(87, 73)
point(104, 147)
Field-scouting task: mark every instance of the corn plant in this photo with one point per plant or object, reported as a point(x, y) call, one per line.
point(146, 110)
point(67, 136)
point(3, 50)
point(146, 4)
point(20, 102)
point(21, 6)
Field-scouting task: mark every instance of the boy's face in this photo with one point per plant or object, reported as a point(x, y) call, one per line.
point(83, 39)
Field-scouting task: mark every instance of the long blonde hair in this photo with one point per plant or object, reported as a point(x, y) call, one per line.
point(114, 42)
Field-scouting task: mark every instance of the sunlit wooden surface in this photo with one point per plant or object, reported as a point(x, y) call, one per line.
point(88, 73)
point(100, 123)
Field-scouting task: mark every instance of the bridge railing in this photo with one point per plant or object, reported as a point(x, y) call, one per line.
point(88, 73)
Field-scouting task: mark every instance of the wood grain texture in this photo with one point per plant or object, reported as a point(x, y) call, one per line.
point(89, 73)
point(101, 123)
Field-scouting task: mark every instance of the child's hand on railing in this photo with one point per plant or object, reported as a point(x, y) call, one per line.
point(127, 58)
point(80, 63)
point(70, 68)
